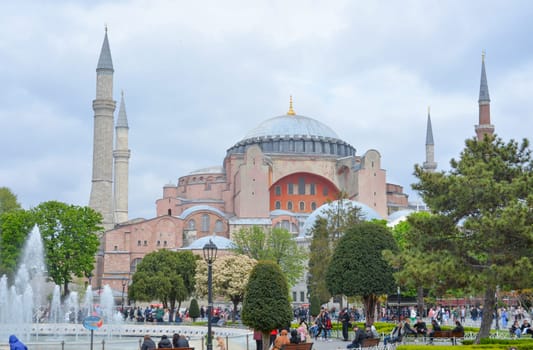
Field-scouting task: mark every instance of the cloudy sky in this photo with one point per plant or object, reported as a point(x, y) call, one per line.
point(198, 75)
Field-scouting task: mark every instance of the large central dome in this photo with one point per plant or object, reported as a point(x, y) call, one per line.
point(294, 134)
point(290, 125)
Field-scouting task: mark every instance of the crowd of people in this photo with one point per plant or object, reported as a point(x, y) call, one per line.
point(177, 341)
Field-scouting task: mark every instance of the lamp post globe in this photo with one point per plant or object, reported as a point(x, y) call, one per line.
point(210, 254)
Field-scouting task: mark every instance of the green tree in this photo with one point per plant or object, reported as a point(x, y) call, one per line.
point(327, 230)
point(358, 267)
point(266, 303)
point(166, 276)
point(230, 277)
point(70, 240)
point(488, 191)
point(8, 200)
point(194, 310)
point(15, 226)
point(277, 245)
point(319, 257)
point(414, 267)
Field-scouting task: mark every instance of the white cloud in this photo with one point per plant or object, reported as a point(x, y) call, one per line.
point(199, 75)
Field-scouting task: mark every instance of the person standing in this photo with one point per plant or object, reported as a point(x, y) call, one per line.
point(258, 337)
point(345, 319)
point(16, 344)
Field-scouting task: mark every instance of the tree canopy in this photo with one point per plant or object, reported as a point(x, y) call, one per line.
point(266, 303)
point(482, 227)
point(70, 239)
point(277, 245)
point(230, 277)
point(8, 200)
point(166, 276)
point(319, 258)
point(357, 267)
point(328, 228)
point(15, 225)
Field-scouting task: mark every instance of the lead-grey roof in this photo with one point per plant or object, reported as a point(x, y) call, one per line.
point(220, 242)
point(429, 132)
point(122, 120)
point(105, 62)
point(197, 208)
point(367, 212)
point(290, 125)
point(483, 86)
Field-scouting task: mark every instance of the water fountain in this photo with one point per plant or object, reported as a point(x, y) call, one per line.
point(32, 309)
point(24, 306)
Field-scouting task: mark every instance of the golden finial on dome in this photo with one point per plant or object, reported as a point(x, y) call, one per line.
point(291, 111)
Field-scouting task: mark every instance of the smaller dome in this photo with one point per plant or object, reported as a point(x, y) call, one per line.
point(219, 241)
point(367, 212)
point(398, 216)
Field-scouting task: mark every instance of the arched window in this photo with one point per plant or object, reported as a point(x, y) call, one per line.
point(289, 205)
point(192, 224)
point(302, 206)
point(133, 266)
point(313, 206)
point(278, 205)
point(205, 223)
point(219, 226)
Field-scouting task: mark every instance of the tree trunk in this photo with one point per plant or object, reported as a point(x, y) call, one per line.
point(370, 302)
point(266, 341)
point(489, 303)
point(420, 301)
point(234, 313)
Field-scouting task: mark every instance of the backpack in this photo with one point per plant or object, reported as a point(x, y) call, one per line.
point(328, 323)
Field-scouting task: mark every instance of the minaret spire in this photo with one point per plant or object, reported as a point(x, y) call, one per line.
point(484, 127)
point(429, 165)
point(105, 62)
point(121, 155)
point(101, 198)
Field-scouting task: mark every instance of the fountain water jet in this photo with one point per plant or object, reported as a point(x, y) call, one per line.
point(24, 308)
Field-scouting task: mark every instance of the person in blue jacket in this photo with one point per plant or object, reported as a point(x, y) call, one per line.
point(16, 344)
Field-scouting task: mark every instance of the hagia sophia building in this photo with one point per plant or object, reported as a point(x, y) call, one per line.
point(282, 173)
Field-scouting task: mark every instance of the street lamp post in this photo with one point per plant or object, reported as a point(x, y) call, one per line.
point(399, 303)
point(210, 254)
point(124, 283)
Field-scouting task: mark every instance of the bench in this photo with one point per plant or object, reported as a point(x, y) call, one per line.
point(453, 336)
point(369, 342)
point(299, 346)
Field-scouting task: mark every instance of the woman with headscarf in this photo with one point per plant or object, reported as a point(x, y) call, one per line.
point(16, 344)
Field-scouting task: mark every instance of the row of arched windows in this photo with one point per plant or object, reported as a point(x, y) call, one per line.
point(289, 205)
point(205, 224)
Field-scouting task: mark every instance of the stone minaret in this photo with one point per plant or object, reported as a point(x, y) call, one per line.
point(484, 127)
point(102, 181)
point(429, 165)
point(122, 158)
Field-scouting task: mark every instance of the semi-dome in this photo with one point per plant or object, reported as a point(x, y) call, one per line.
point(293, 133)
point(367, 213)
point(219, 241)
